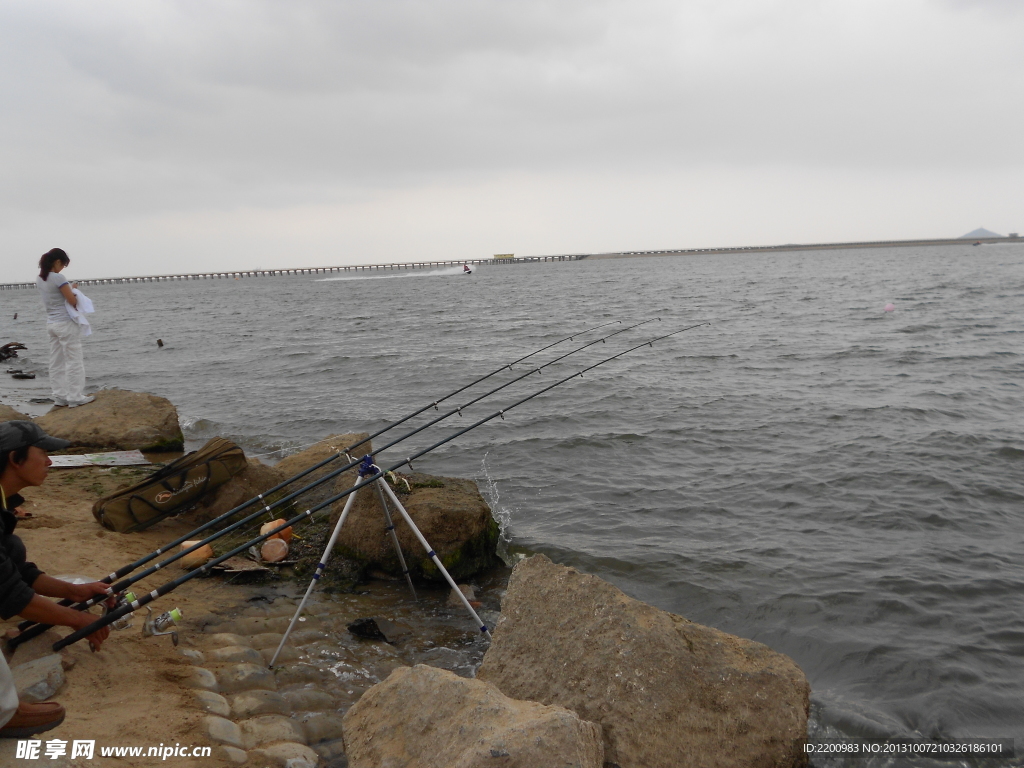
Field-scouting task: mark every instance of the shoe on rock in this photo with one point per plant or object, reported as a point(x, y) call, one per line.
point(81, 402)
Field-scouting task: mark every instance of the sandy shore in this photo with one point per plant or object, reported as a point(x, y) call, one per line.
point(131, 692)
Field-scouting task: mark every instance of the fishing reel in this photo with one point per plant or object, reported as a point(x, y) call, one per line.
point(124, 598)
point(156, 626)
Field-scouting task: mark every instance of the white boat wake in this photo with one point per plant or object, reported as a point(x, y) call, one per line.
point(415, 273)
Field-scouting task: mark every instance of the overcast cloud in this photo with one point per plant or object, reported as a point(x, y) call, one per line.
point(152, 137)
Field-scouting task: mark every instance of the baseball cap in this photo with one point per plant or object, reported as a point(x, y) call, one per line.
point(18, 434)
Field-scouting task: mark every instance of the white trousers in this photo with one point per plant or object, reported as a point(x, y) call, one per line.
point(8, 693)
point(67, 371)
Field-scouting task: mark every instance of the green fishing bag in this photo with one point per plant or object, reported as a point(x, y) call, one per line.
point(172, 489)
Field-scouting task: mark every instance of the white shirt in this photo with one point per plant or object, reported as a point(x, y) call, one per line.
point(53, 299)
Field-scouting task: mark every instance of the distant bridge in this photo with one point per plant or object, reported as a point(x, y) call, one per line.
point(1013, 238)
point(238, 274)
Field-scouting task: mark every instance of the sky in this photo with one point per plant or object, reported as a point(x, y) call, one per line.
point(195, 135)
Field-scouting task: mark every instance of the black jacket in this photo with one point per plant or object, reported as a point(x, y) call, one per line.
point(16, 574)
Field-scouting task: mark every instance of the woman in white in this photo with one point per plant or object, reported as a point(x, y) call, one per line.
point(67, 371)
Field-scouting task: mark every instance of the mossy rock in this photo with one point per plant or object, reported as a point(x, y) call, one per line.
point(450, 513)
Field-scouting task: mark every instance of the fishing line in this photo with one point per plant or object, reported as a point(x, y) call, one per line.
point(170, 586)
point(120, 586)
point(28, 626)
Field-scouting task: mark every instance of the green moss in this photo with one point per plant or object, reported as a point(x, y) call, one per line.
point(472, 557)
point(176, 443)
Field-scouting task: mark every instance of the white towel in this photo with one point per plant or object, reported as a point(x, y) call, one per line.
point(84, 307)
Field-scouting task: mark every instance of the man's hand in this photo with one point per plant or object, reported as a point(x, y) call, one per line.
point(96, 638)
point(80, 593)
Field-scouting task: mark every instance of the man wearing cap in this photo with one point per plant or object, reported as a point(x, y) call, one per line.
point(23, 587)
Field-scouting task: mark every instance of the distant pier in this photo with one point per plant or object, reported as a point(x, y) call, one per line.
point(508, 259)
point(238, 274)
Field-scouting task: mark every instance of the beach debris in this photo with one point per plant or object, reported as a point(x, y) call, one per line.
point(39, 680)
point(274, 550)
point(194, 559)
point(40, 400)
point(284, 534)
point(159, 342)
point(110, 459)
point(21, 375)
point(235, 565)
point(377, 628)
point(890, 307)
point(467, 590)
point(10, 349)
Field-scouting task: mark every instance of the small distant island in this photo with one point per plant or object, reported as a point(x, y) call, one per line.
point(983, 234)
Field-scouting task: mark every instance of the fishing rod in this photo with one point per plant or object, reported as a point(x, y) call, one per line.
point(28, 627)
point(330, 475)
point(170, 586)
point(482, 378)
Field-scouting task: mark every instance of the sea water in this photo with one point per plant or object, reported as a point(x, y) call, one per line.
point(839, 482)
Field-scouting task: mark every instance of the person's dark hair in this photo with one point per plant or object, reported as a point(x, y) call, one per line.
point(19, 457)
point(48, 259)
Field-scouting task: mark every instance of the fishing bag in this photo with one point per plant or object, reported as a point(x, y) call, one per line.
point(178, 485)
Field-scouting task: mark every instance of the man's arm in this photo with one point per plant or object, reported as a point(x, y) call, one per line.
point(44, 611)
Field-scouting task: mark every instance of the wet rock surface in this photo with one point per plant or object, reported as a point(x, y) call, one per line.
point(294, 712)
point(668, 692)
point(377, 628)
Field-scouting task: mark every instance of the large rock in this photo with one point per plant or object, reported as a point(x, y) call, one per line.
point(255, 479)
point(329, 446)
point(423, 717)
point(450, 513)
point(668, 693)
point(9, 414)
point(118, 420)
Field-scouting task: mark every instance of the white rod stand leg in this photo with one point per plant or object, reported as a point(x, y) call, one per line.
point(437, 561)
point(394, 536)
point(318, 572)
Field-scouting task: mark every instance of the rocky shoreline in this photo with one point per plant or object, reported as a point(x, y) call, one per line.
point(577, 674)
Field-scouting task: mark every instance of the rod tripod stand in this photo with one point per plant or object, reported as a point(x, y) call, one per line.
point(367, 469)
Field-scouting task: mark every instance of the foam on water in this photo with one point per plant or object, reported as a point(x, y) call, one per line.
point(446, 272)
